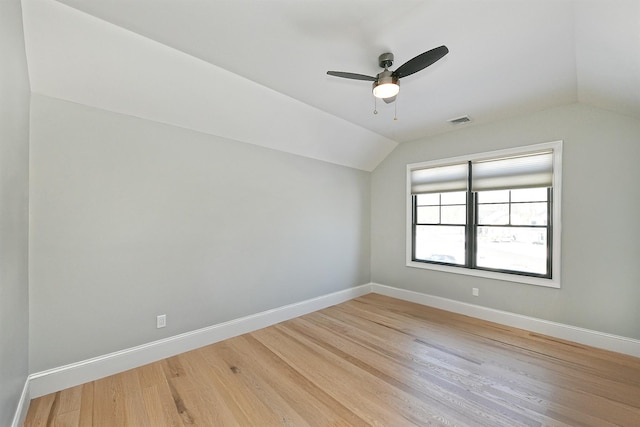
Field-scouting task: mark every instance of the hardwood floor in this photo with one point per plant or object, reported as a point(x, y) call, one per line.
point(370, 361)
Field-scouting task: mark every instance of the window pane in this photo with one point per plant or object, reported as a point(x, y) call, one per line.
point(428, 215)
point(497, 214)
point(455, 198)
point(529, 214)
point(517, 249)
point(454, 215)
point(529, 195)
point(428, 199)
point(440, 244)
point(499, 196)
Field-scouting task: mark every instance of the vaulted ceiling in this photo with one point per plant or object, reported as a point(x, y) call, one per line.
point(255, 70)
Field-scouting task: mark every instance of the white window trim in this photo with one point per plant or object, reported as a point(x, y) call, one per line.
point(554, 282)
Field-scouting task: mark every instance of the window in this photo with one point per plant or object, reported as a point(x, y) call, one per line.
point(493, 214)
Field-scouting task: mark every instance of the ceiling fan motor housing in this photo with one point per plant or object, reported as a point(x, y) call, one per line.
point(385, 60)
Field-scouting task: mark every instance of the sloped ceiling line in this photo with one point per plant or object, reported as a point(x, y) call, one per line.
point(254, 71)
point(77, 57)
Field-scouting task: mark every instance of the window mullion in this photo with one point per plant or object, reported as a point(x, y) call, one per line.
point(509, 205)
point(414, 222)
point(470, 247)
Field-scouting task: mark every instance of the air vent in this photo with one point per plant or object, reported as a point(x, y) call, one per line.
point(459, 120)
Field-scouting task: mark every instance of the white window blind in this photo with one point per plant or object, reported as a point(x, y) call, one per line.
point(441, 179)
point(525, 171)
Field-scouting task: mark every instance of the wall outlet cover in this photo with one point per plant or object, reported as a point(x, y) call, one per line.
point(161, 321)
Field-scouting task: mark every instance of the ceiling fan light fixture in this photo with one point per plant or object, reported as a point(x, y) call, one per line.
point(386, 90)
point(386, 86)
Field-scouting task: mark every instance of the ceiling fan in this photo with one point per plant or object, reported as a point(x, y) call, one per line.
point(386, 84)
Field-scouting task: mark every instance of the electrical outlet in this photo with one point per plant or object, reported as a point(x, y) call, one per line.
point(161, 321)
point(475, 292)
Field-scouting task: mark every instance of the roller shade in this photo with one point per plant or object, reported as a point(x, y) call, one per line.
point(441, 179)
point(527, 171)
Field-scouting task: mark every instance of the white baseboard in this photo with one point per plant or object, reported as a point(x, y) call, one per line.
point(557, 330)
point(63, 377)
point(45, 382)
point(23, 406)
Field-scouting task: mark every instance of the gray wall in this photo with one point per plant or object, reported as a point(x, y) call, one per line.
point(132, 218)
point(14, 184)
point(600, 227)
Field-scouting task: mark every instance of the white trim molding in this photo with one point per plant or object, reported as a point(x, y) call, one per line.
point(52, 380)
point(584, 336)
point(23, 406)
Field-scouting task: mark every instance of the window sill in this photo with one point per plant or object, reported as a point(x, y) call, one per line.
point(528, 280)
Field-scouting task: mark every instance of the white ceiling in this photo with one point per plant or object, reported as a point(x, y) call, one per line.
point(255, 70)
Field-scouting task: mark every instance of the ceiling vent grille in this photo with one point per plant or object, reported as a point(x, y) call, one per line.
point(459, 120)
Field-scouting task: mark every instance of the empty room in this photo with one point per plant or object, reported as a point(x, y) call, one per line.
point(319, 213)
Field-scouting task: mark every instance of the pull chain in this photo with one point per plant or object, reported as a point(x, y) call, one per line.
point(395, 110)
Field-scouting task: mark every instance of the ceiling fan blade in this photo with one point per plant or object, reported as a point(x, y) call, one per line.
point(352, 76)
point(421, 61)
point(390, 99)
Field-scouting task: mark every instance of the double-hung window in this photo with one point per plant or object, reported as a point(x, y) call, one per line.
point(491, 214)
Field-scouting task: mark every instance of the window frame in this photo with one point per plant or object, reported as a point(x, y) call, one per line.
point(555, 217)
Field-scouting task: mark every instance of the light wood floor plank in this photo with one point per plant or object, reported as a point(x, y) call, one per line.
point(40, 410)
point(442, 391)
point(86, 405)
point(307, 397)
point(372, 361)
point(155, 409)
point(108, 399)
point(357, 391)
